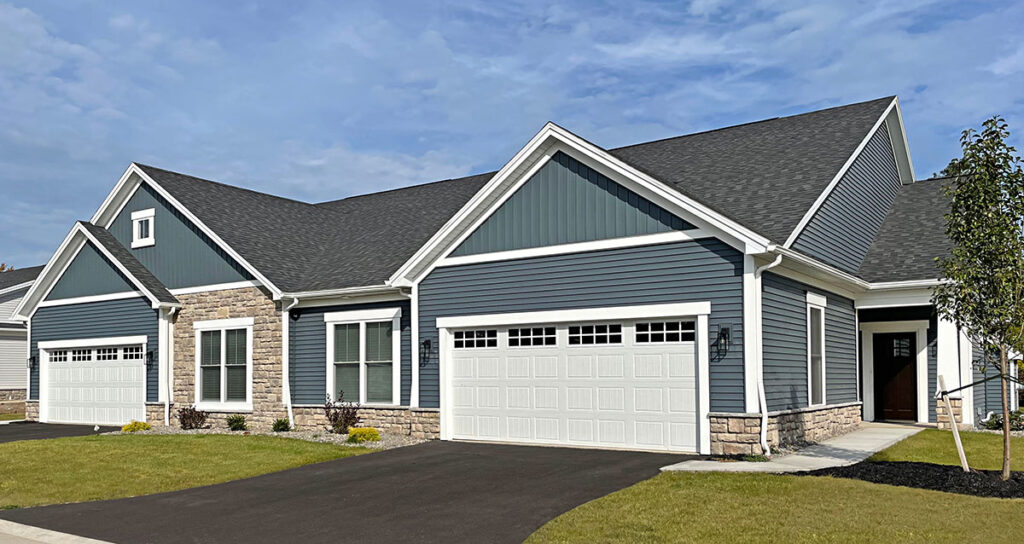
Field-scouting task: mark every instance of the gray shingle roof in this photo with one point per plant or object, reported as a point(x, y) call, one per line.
point(763, 175)
point(19, 276)
point(352, 242)
point(912, 235)
point(134, 267)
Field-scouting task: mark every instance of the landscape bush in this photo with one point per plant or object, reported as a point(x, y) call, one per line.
point(236, 422)
point(281, 426)
point(995, 423)
point(340, 414)
point(360, 435)
point(191, 418)
point(135, 426)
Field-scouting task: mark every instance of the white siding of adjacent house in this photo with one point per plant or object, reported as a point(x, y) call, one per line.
point(8, 303)
point(12, 345)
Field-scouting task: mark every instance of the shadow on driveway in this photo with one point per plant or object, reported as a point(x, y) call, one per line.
point(433, 492)
point(30, 430)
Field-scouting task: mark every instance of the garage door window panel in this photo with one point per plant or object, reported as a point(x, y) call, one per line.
point(531, 336)
point(480, 338)
point(595, 334)
point(665, 332)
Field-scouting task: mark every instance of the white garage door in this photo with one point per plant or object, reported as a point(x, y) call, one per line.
point(102, 385)
point(618, 384)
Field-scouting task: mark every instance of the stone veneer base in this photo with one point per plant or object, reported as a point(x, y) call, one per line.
point(12, 394)
point(942, 419)
point(740, 434)
point(32, 410)
point(416, 422)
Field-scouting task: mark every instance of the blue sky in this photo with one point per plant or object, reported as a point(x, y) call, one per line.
point(321, 100)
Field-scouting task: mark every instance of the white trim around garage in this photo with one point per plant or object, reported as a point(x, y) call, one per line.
point(584, 314)
point(920, 327)
point(93, 342)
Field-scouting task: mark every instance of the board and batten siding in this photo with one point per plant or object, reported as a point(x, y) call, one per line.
point(12, 359)
point(127, 317)
point(90, 274)
point(307, 350)
point(183, 256)
point(843, 228)
point(702, 270)
point(784, 326)
point(567, 202)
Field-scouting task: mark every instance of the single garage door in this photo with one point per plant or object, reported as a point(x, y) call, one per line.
point(616, 384)
point(101, 385)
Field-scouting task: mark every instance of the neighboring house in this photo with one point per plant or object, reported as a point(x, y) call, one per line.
point(662, 296)
point(13, 334)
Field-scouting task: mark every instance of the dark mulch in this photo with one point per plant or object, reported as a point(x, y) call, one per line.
point(952, 479)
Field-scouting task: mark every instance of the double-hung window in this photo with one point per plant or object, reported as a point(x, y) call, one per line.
point(224, 364)
point(142, 228)
point(363, 348)
point(816, 348)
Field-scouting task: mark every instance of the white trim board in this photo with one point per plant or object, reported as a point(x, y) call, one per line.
point(93, 298)
point(354, 316)
point(17, 287)
point(920, 328)
point(215, 287)
point(362, 318)
point(125, 189)
point(579, 247)
point(233, 323)
point(685, 309)
point(93, 342)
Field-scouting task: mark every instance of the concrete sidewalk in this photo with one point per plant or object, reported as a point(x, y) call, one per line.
point(16, 533)
point(850, 448)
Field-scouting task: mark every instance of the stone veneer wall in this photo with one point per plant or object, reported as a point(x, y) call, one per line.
point(12, 394)
point(416, 422)
point(266, 352)
point(740, 434)
point(32, 410)
point(942, 419)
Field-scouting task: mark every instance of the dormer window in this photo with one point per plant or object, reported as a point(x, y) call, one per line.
point(142, 228)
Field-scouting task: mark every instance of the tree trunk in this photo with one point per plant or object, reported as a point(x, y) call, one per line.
point(1004, 385)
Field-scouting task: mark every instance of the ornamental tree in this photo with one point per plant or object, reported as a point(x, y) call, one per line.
point(984, 288)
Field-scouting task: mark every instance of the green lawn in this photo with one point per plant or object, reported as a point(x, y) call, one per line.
point(88, 468)
point(11, 417)
point(730, 508)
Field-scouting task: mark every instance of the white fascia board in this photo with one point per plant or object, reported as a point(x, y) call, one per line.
point(544, 144)
point(836, 179)
point(355, 316)
point(54, 269)
point(18, 287)
point(93, 342)
point(92, 298)
point(652, 311)
point(853, 282)
point(215, 287)
point(231, 323)
point(901, 149)
point(345, 292)
point(127, 186)
point(901, 297)
point(579, 247)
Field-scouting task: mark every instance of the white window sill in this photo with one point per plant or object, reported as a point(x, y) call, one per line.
point(136, 244)
point(234, 407)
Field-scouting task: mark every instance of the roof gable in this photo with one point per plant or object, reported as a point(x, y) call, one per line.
point(89, 274)
point(567, 202)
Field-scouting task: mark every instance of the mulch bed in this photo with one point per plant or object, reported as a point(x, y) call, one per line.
point(952, 479)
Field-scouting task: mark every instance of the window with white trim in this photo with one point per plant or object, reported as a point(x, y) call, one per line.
point(59, 356)
point(223, 364)
point(142, 228)
point(81, 355)
point(665, 332)
point(532, 336)
point(481, 338)
point(363, 356)
point(585, 335)
point(816, 354)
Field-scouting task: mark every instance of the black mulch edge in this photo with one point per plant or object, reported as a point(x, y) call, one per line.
point(951, 479)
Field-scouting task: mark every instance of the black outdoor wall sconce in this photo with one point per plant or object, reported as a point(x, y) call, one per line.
point(424, 351)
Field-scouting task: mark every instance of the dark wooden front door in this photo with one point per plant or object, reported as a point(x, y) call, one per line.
point(895, 376)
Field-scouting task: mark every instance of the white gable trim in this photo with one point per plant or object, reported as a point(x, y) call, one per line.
point(65, 255)
point(906, 170)
point(531, 158)
point(126, 188)
point(18, 287)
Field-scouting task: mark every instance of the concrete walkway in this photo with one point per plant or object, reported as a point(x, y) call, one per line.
point(16, 533)
point(850, 448)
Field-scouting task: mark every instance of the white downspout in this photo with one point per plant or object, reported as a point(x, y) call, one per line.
point(760, 357)
point(170, 364)
point(285, 342)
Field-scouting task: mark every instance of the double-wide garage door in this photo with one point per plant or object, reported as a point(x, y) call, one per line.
point(618, 384)
point(95, 385)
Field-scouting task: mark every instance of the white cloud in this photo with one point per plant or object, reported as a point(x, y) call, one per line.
point(1009, 64)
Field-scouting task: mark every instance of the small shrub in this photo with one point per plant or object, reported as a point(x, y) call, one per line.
point(281, 426)
point(191, 418)
point(360, 435)
point(236, 422)
point(341, 415)
point(136, 426)
point(756, 458)
point(995, 422)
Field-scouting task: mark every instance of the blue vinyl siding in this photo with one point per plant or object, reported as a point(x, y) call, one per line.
point(784, 322)
point(567, 202)
point(987, 397)
point(183, 256)
point(90, 274)
point(842, 230)
point(704, 270)
point(307, 350)
point(129, 317)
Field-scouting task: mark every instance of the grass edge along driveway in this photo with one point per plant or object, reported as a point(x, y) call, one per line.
point(729, 508)
point(90, 468)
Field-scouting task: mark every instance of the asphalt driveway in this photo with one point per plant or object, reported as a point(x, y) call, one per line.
point(37, 431)
point(433, 492)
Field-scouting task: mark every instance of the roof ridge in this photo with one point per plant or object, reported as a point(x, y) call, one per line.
point(406, 187)
point(235, 187)
point(776, 118)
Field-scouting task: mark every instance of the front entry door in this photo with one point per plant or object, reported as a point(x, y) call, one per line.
point(896, 376)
